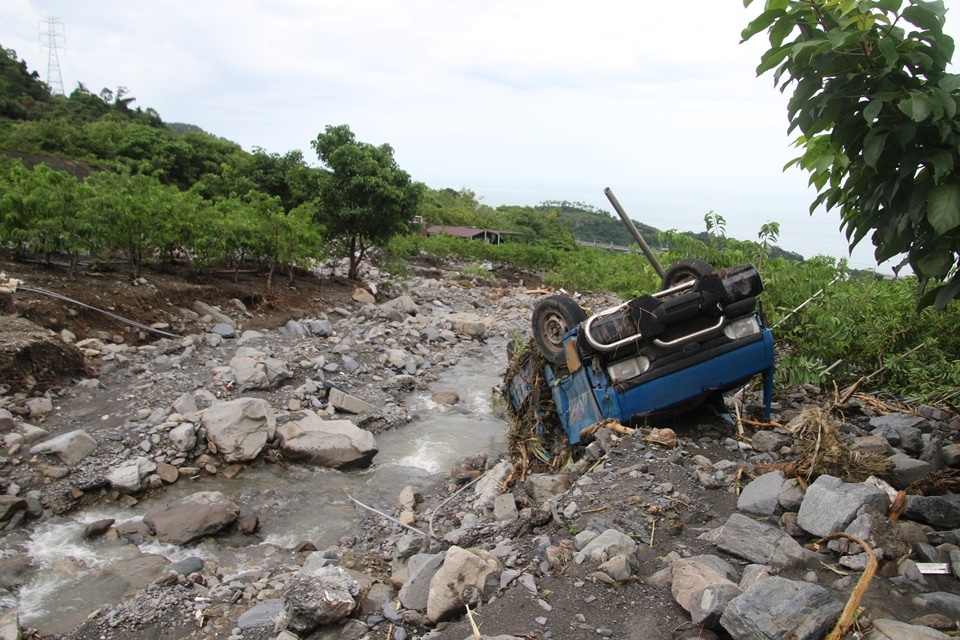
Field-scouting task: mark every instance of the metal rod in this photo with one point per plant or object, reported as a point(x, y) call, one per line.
point(633, 231)
point(390, 518)
point(107, 313)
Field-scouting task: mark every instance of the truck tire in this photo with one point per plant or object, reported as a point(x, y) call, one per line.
point(552, 318)
point(683, 270)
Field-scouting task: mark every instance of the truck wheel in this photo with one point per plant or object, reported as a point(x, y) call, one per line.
point(683, 270)
point(552, 318)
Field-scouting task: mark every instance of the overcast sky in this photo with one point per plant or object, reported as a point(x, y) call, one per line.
point(520, 101)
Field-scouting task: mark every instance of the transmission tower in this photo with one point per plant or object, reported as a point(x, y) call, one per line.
point(54, 40)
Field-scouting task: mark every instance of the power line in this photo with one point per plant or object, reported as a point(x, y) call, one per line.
point(54, 38)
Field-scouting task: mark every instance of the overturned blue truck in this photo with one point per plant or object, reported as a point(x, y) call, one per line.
point(658, 354)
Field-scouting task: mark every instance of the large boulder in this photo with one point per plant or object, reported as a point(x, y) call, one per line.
point(338, 444)
point(459, 582)
point(831, 504)
point(9, 616)
point(420, 571)
point(759, 542)
point(318, 595)
point(694, 574)
point(467, 324)
point(771, 606)
point(200, 515)
point(259, 372)
point(239, 429)
point(70, 447)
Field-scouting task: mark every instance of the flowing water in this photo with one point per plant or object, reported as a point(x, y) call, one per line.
point(294, 503)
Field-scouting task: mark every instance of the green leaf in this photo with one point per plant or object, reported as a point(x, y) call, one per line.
point(873, 146)
point(837, 37)
point(889, 5)
point(916, 107)
point(950, 82)
point(776, 4)
point(872, 110)
point(772, 58)
point(762, 21)
point(943, 207)
point(923, 18)
point(947, 293)
point(935, 264)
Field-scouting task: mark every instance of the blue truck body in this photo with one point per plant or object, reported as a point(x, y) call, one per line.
point(612, 370)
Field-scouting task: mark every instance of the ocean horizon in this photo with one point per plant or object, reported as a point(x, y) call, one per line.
point(800, 232)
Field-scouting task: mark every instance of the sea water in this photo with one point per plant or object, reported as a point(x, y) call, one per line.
point(743, 211)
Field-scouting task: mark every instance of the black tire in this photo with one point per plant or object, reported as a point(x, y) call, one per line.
point(683, 270)
point(552, 318)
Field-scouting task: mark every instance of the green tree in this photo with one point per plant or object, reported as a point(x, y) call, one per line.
point(22, 94)
point(368, 198)
point(878, 116)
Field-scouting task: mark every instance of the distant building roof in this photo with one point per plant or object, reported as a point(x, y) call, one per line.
point(472, 233)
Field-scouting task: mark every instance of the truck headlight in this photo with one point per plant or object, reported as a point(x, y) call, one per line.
point(742, 328)
point(629, 368)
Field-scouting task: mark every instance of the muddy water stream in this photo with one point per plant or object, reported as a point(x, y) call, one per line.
point(295, 503)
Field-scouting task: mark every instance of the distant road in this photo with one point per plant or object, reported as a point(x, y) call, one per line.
point(605, 245)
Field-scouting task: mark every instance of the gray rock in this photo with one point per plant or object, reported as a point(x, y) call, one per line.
point(183, 437)
point(505, 508)
point(445, 397)
point(223, 329)
point(936, 511)
point(185, 404)
point(9, 616)
point(617, 567)
point(543, 486)
point(39, 407)
point(343, 401)
point(708, 604)
point(897, 421)
point(770, 440)
point(7, 420)
point(608, 544)
point(318, 597)
point(877, 530)
point(831, 504)
point(10, 505)
point(871, 444)
point(206, 310)
point(762, 496)
point(126, 478)
point(263, 615)
point(467, 324)
point(294, 328)
point(320, 328)
point(195, 517)
point(460, 581)
point(885, 629)
point(404, 304)
point(189, 565)
point(942, 601)
point(70, 447)
point(775, 607)
point(759, 543)
point(350, 365)
point(239, 429)
point(791, 495)
point(692, 575)
point(488, 487)
point(259, 372)
point(337, 444)
point(951, 455)
point(420, 571)
point(908, 470)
